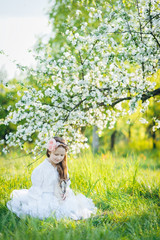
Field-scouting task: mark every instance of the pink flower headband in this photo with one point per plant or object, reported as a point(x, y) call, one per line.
point(52, 144)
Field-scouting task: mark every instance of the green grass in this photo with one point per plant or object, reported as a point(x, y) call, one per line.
point(125, 187)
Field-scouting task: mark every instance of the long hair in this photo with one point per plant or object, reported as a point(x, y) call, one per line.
point(62, 166)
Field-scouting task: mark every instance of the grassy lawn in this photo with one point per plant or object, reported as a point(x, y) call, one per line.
point(126, 190)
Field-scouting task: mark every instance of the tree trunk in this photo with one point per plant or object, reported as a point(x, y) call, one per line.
point(95, 142)
point(154, 140)
point(113, 139)
point(129, 133)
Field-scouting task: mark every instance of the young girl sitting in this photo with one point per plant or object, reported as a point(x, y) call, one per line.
point(50, 194)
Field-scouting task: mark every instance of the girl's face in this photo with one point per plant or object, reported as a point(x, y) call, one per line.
point(57, 156)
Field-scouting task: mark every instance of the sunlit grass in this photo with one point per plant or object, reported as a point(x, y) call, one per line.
point(126, 188)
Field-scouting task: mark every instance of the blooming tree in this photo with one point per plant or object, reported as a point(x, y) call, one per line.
point(93, 74)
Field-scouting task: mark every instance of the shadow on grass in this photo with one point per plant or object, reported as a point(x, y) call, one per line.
point(141, 190)
point(151, 166)
point(145, 226)
point(8, 219)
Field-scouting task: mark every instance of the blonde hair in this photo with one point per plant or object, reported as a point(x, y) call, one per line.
point(62, 166)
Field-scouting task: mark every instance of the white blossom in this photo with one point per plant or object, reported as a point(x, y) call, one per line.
point(143, 120)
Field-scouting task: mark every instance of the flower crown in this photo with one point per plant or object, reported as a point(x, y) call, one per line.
point(52, 144)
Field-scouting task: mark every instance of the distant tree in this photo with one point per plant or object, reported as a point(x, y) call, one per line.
point(95, 141)
point(8, 98)
point(154, 110)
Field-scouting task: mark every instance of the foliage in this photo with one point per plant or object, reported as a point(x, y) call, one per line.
point(125, 190)
point(8, 99)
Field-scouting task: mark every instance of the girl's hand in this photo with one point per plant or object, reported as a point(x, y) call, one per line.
point(63, 196)
point(63, 186)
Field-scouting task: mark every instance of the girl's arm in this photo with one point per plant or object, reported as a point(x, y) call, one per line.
point(37, 181)
point(37, 177)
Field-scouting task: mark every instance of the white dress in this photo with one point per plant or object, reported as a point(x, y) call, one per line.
point(44, 198)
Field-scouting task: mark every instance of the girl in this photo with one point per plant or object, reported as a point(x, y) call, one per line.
point(50, 194)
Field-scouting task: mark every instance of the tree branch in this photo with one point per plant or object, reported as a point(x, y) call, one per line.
point(150, 94)
point(144, 98)
point(151, 24)
point(140, 28)
point(155, 39)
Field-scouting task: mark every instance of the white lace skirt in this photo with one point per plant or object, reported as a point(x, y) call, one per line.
point(46, 205)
